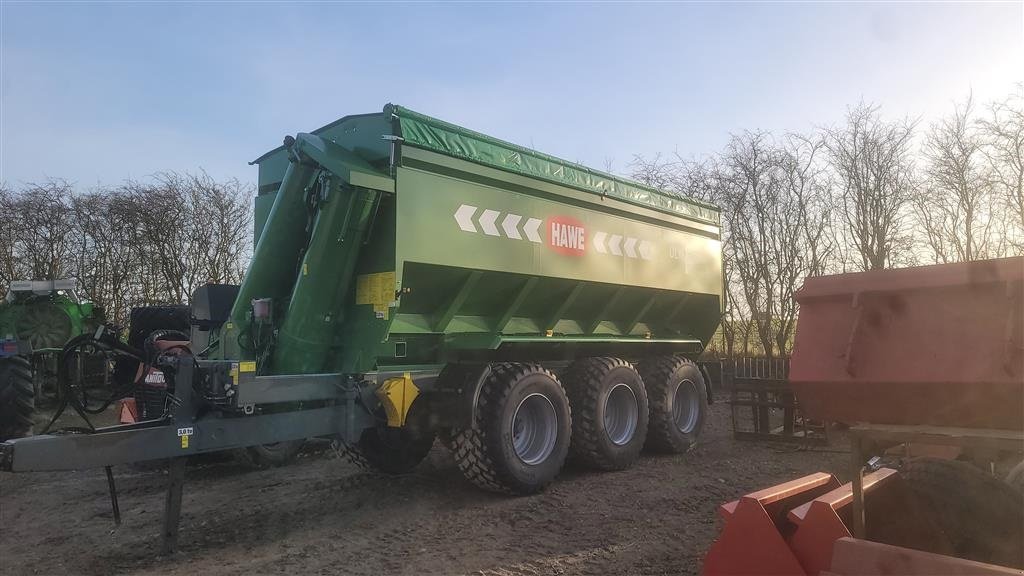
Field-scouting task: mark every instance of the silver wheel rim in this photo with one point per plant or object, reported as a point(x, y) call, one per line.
point(534, 429)
point(621, 414)
point(686, 406)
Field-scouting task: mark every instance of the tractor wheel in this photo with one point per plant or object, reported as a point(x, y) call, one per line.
point(520, 434)
point(388, 450)
point(678, 403)
point(270, 455)
point(982, 517)
point(609, 408)
point(17, 397)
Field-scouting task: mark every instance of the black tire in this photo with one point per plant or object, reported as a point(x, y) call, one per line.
point(671, 380)
point(270, 455)
point(592, 385)
point(982, 517)
point(389, 450)
point(17, 397)
point(486, 452)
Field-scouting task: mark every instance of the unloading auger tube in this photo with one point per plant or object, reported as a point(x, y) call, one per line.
point(412, 279)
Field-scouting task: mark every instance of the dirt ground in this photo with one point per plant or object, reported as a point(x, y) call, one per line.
point(323, 516)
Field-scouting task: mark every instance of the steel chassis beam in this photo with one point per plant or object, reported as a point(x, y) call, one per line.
point(194, 429)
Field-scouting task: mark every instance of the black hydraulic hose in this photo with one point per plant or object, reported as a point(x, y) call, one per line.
point(105, 342)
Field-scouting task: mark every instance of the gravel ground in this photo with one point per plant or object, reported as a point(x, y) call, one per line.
point(323, 516)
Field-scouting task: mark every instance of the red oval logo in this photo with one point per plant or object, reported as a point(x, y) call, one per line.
point(567, 235)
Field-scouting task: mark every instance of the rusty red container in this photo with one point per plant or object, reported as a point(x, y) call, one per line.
point(934, 345)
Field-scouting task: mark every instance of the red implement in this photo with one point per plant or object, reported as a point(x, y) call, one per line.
point(792, 528)
point(936, 345)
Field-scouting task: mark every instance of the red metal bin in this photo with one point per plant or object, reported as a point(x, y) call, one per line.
point(936, 345)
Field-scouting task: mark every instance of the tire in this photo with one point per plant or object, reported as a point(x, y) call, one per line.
point(270, 455)
point(610, 413)
point(17, 397)
point(388, 450)
point(498, 452)
point(678, 402)
point(982, 517)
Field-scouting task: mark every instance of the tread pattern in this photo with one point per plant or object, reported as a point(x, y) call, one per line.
point(656, 374)
point(270, 456)
point(383, 458)
point(982, 516)
point(17, 398)
point(581, 386)
point(474, 448)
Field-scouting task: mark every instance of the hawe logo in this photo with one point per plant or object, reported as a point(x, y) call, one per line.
point(567, 235)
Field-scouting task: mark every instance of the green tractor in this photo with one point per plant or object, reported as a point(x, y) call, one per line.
point(37, 319)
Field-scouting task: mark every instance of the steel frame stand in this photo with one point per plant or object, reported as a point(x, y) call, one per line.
point(172, 505)
point(966, 438)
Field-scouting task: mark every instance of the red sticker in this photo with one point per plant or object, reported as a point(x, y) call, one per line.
point(567, 235)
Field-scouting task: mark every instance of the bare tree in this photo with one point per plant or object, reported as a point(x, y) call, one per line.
point(873, 165)
point(955, 205)
point(774, 198)
point(1003, 131)
point(8, 219)
point(136, 243)
point(44, 232)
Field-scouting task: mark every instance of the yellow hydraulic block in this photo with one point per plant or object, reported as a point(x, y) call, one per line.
point(397, 395)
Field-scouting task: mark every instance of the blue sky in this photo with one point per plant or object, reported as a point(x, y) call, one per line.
point(97, 92)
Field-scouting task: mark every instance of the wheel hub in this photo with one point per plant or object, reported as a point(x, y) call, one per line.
point(685, 406)
point(534, 429)
point(621, 414)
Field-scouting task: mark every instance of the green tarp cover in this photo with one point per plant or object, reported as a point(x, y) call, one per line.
point(438, 136)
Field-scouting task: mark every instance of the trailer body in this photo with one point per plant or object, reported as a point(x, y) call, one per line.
point(470, 247)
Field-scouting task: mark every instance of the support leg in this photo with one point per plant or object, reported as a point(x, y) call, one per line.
point(172, 505)
point(857, 479)
point(113, 496)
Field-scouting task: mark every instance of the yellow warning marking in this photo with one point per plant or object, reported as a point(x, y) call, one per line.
point(397, 396)
point(184, 441)
point(247, 366)
point(377, 290)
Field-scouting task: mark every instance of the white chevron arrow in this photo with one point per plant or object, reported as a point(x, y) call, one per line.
point(486, 221)
point(464, 216)
point(531, 228)
point(599, 242)
point(511, 226)
point(614, 243)
point(630, 247)
point(646, 250)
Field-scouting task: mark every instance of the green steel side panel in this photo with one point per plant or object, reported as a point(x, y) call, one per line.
point(453, 222)
point(261, 210)
point(423, 131)
point(459, 301)
point(272, 166)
